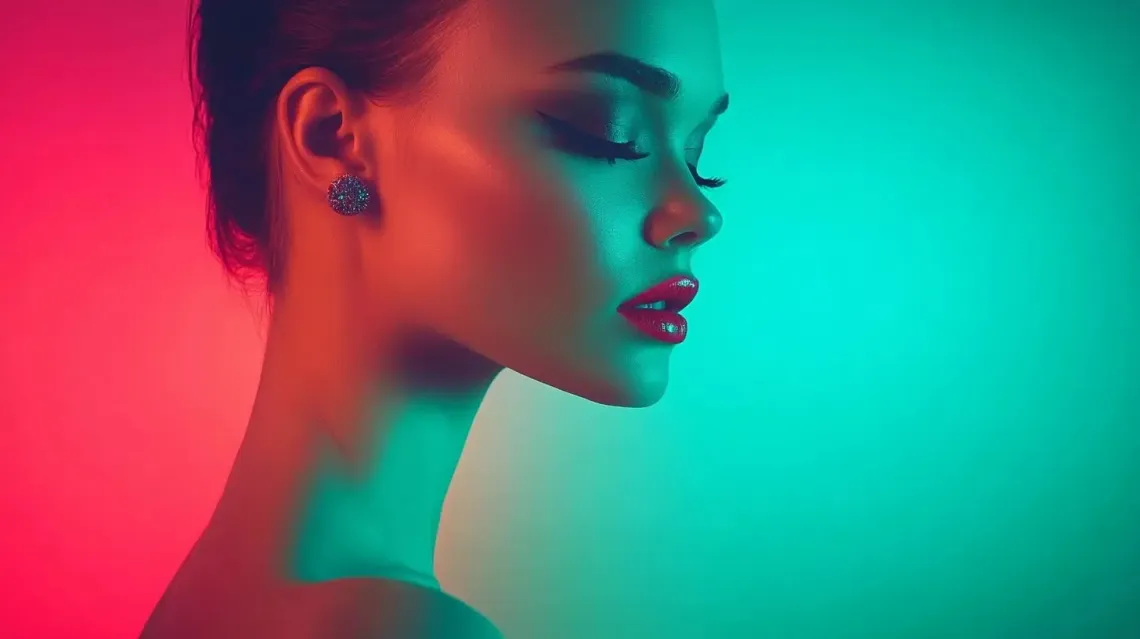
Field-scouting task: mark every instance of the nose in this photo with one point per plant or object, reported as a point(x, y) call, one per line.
point(685, 219)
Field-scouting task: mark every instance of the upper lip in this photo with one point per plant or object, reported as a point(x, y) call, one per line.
point(677, 292)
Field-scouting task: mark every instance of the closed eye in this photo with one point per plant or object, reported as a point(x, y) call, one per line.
point(573, 140)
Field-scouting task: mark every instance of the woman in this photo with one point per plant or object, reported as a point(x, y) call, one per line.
point(433, 191)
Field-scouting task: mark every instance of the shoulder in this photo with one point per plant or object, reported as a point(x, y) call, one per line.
point(378, 609)
point(340, 609)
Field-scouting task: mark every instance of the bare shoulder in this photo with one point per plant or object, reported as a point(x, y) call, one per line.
point(341, 609)
point(379, 609)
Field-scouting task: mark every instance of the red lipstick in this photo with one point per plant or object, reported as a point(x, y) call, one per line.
point(656, 312)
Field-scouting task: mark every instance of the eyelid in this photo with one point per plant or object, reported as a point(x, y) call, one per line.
point(568, 127)
point(591, 145)
point(576, 141)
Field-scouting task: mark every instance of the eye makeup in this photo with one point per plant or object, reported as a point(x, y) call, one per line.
point(593, 126)
point(575, 140)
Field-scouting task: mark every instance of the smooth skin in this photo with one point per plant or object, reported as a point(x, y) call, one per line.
point(498, 241)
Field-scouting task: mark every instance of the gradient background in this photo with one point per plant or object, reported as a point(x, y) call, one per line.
point(910, 407)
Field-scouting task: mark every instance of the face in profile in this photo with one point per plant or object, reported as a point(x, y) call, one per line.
point(543, 198)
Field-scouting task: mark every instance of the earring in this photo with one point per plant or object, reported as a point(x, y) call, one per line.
point(349, 195)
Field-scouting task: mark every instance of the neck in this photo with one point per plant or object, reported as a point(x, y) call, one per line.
point(351, 447)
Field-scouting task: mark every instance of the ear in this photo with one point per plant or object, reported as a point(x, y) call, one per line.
point(321, 130)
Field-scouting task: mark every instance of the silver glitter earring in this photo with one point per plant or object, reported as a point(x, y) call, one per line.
point(349, 195)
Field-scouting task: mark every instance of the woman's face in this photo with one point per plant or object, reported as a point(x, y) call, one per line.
point(527, 196)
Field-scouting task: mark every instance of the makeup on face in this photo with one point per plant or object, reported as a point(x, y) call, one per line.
point(609, 125)
point(656, 312)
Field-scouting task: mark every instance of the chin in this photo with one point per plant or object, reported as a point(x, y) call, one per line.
point(632, 379)
point(633, 400)
point(636, 390)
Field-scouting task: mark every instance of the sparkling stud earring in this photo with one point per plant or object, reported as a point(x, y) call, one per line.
point(349, 195)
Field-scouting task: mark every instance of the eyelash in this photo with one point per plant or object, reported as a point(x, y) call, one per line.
point(584, 144)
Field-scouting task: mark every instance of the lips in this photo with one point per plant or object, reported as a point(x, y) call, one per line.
point(656, 311)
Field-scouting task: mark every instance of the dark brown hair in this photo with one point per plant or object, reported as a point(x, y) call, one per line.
point(242, 52)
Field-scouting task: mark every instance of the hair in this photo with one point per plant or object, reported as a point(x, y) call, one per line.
point(242, 52)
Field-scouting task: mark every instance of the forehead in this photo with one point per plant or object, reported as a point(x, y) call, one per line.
point(508, 43)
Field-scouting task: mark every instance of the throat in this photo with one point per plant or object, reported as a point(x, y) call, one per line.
point(379, 515)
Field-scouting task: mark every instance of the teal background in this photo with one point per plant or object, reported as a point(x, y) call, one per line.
point(910, 405)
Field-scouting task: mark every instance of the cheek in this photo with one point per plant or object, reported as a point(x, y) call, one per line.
point(499, 234)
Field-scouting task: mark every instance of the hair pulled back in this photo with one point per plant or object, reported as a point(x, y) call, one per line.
point(242, 52)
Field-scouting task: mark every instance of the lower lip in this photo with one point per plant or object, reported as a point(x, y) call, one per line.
point(663, 326)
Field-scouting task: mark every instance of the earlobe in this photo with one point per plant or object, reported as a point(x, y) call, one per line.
point(318, 128)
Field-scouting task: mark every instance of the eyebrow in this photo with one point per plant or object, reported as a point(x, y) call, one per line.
point(647, 77)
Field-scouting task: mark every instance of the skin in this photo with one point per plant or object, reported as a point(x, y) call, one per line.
point(492, 247)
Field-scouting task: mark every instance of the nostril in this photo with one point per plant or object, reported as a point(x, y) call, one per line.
point(688, 238)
